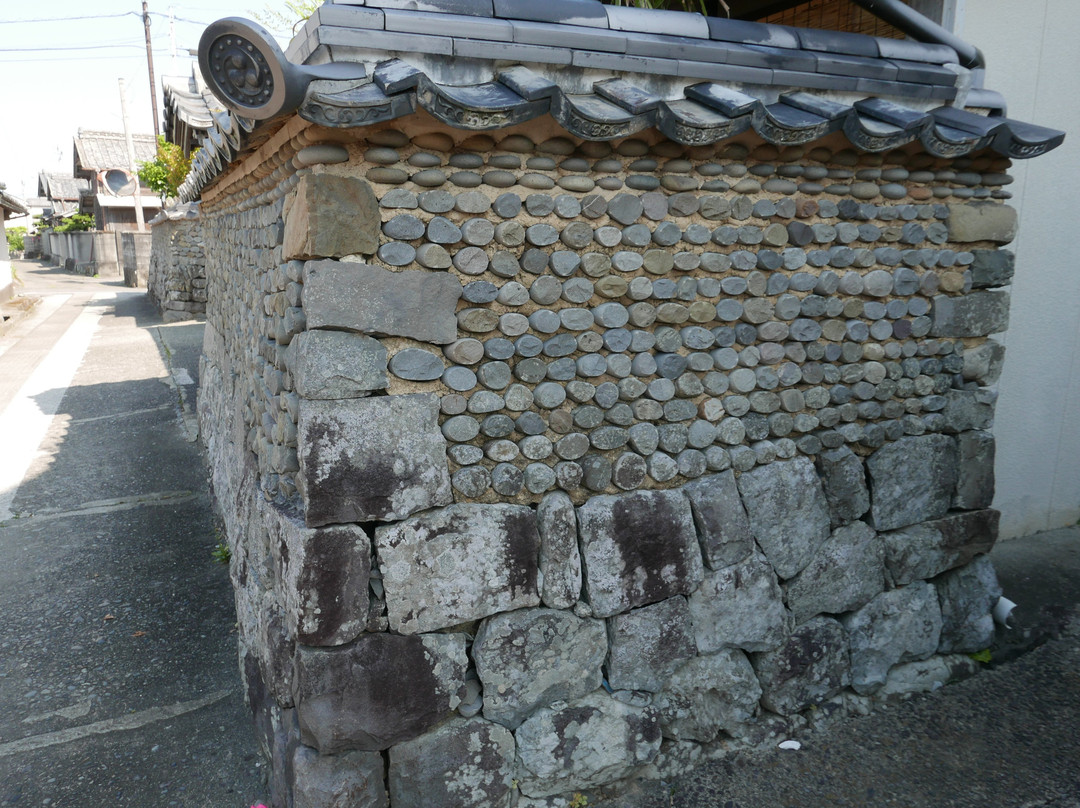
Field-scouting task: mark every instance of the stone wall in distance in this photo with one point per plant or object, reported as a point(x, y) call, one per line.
point(176, 282)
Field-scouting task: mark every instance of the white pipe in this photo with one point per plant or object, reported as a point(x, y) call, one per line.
point(1003, 610)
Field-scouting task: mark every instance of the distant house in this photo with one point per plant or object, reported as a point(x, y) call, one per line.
point(102, 160)
point(10, 207)
point(62, 193)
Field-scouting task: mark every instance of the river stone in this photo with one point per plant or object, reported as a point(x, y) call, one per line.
point(844, 481)
point(534, 657)
point(967, 596)
point(584, 743)
point(637, 548)
point(351, 778)
point(975, 479)
point(912, 480)
point(323, 578)
point(788, 512)
point(560, 561)
point(808, 669)
point(460, 563)
point(336, 364)
point(416, 365)
point(330, 216)
point(722, 525)
point(924, 550)
point(707, 695)
point(739, 606)
point(901, 625)
point(847, 571)
point(377, 692)
point(357, 297)
point(465, 762)
point(371, 458)
point(647, 645)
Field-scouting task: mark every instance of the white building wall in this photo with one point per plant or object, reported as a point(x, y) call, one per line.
point(1033, 57)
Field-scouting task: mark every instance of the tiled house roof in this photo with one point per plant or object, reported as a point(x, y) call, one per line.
point(61, 186)
point(603, 73)
point(97, 151)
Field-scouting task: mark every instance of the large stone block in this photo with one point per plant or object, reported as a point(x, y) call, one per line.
point(336, 364)
point(357, 297)
point(983, 363)
point(844, 481)
point(901, 625)
point(637, 548)
point(560, 560)
point(992, 268)
point(331, 216)
point(982, 221)
point(912, 480)
point(457, 564)
point(708, 695)
point(967, 596)
point(323, 576)
point(923, 551)
point(969, 409)
point(647, 645)
point(722, 525)
point(975, 481)
point(740, 606)
point(381, 690)
point(465, 763)
point(810, 667)
point(847, 572)
point(788, 512)
point(371, 458)
point(586, 743)
point(974, 315)
point(330, 781)
point(534, 657)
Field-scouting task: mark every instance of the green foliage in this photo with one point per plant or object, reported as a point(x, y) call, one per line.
point(285, 23)
point(984, 656)
point(221, 554)
point(75, 223)
point(167, 171)
point(15, 238)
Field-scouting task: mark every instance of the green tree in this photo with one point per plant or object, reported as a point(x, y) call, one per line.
point(287, 22)
point(75, 223)
point(167, 171)
point(15, 238)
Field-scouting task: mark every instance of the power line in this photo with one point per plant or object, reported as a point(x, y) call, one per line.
point(70, 48)
point(69, 19)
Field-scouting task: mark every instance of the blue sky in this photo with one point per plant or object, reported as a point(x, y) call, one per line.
point(61, 74)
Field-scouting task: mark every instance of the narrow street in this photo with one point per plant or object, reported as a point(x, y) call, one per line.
point(118, 680)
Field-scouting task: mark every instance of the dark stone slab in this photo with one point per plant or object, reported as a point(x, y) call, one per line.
point(992, 268)
point(912, 480)
point(810, 667)
point(647, 645)
point(975, 482)
point(722, 525)
point(844, 480)
point(925, 550)
point(350, 778)
point(967, 596)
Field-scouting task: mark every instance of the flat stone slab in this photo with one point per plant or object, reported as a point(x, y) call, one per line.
point(637, 548)
point(923, 551)
point(847, 571)
point(976, 314)
point(329, 217)
point(336, 364)
point(912, 480)
point(371, 458)
point(741, 606)
point(460, 563)
point(381, 690)
point(372, 300)
point(982, 221)
point(810, 667)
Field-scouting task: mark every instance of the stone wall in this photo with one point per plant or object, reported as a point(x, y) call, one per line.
point(176, 281)
point(546, 464)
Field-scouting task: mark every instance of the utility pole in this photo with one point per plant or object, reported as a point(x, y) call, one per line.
point(150, 67)
point(172, 39)
point(140, 223)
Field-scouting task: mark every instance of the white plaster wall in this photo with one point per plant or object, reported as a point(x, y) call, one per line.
point(1033, 57)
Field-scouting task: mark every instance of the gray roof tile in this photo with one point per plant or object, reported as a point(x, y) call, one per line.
point(457, 25)
point(753, 33)
point(473, 8)
point(654, 21)
point(590, 13)
point(563, 36)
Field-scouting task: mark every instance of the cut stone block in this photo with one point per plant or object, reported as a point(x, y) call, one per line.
point(336, 364)
point(331, 216)
point(844, 481)
point(465, 763)
point(967, 596)
point(327, 781)
point(381, 690)
point(707, 695)
point(846, 573)
point(371, 458)
point(975, 483)
point(647, 645)
point(901, 625)
point(983, 363)
point(992, 268)
point(968, 409)
point(460, 563)
point(924, 551)
point(357, 297)
point(560, 561)
point(722, 525)
point(323, 578)
point(810, 667)
point(974, 315)
point(912, 480)
point(982, 221)
point(534, 657)
point(788, 512)
point(586, 743)
point(740, 606)
point(637, 548)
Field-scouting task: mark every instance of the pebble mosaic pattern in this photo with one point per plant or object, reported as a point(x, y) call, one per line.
point(640, 316)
